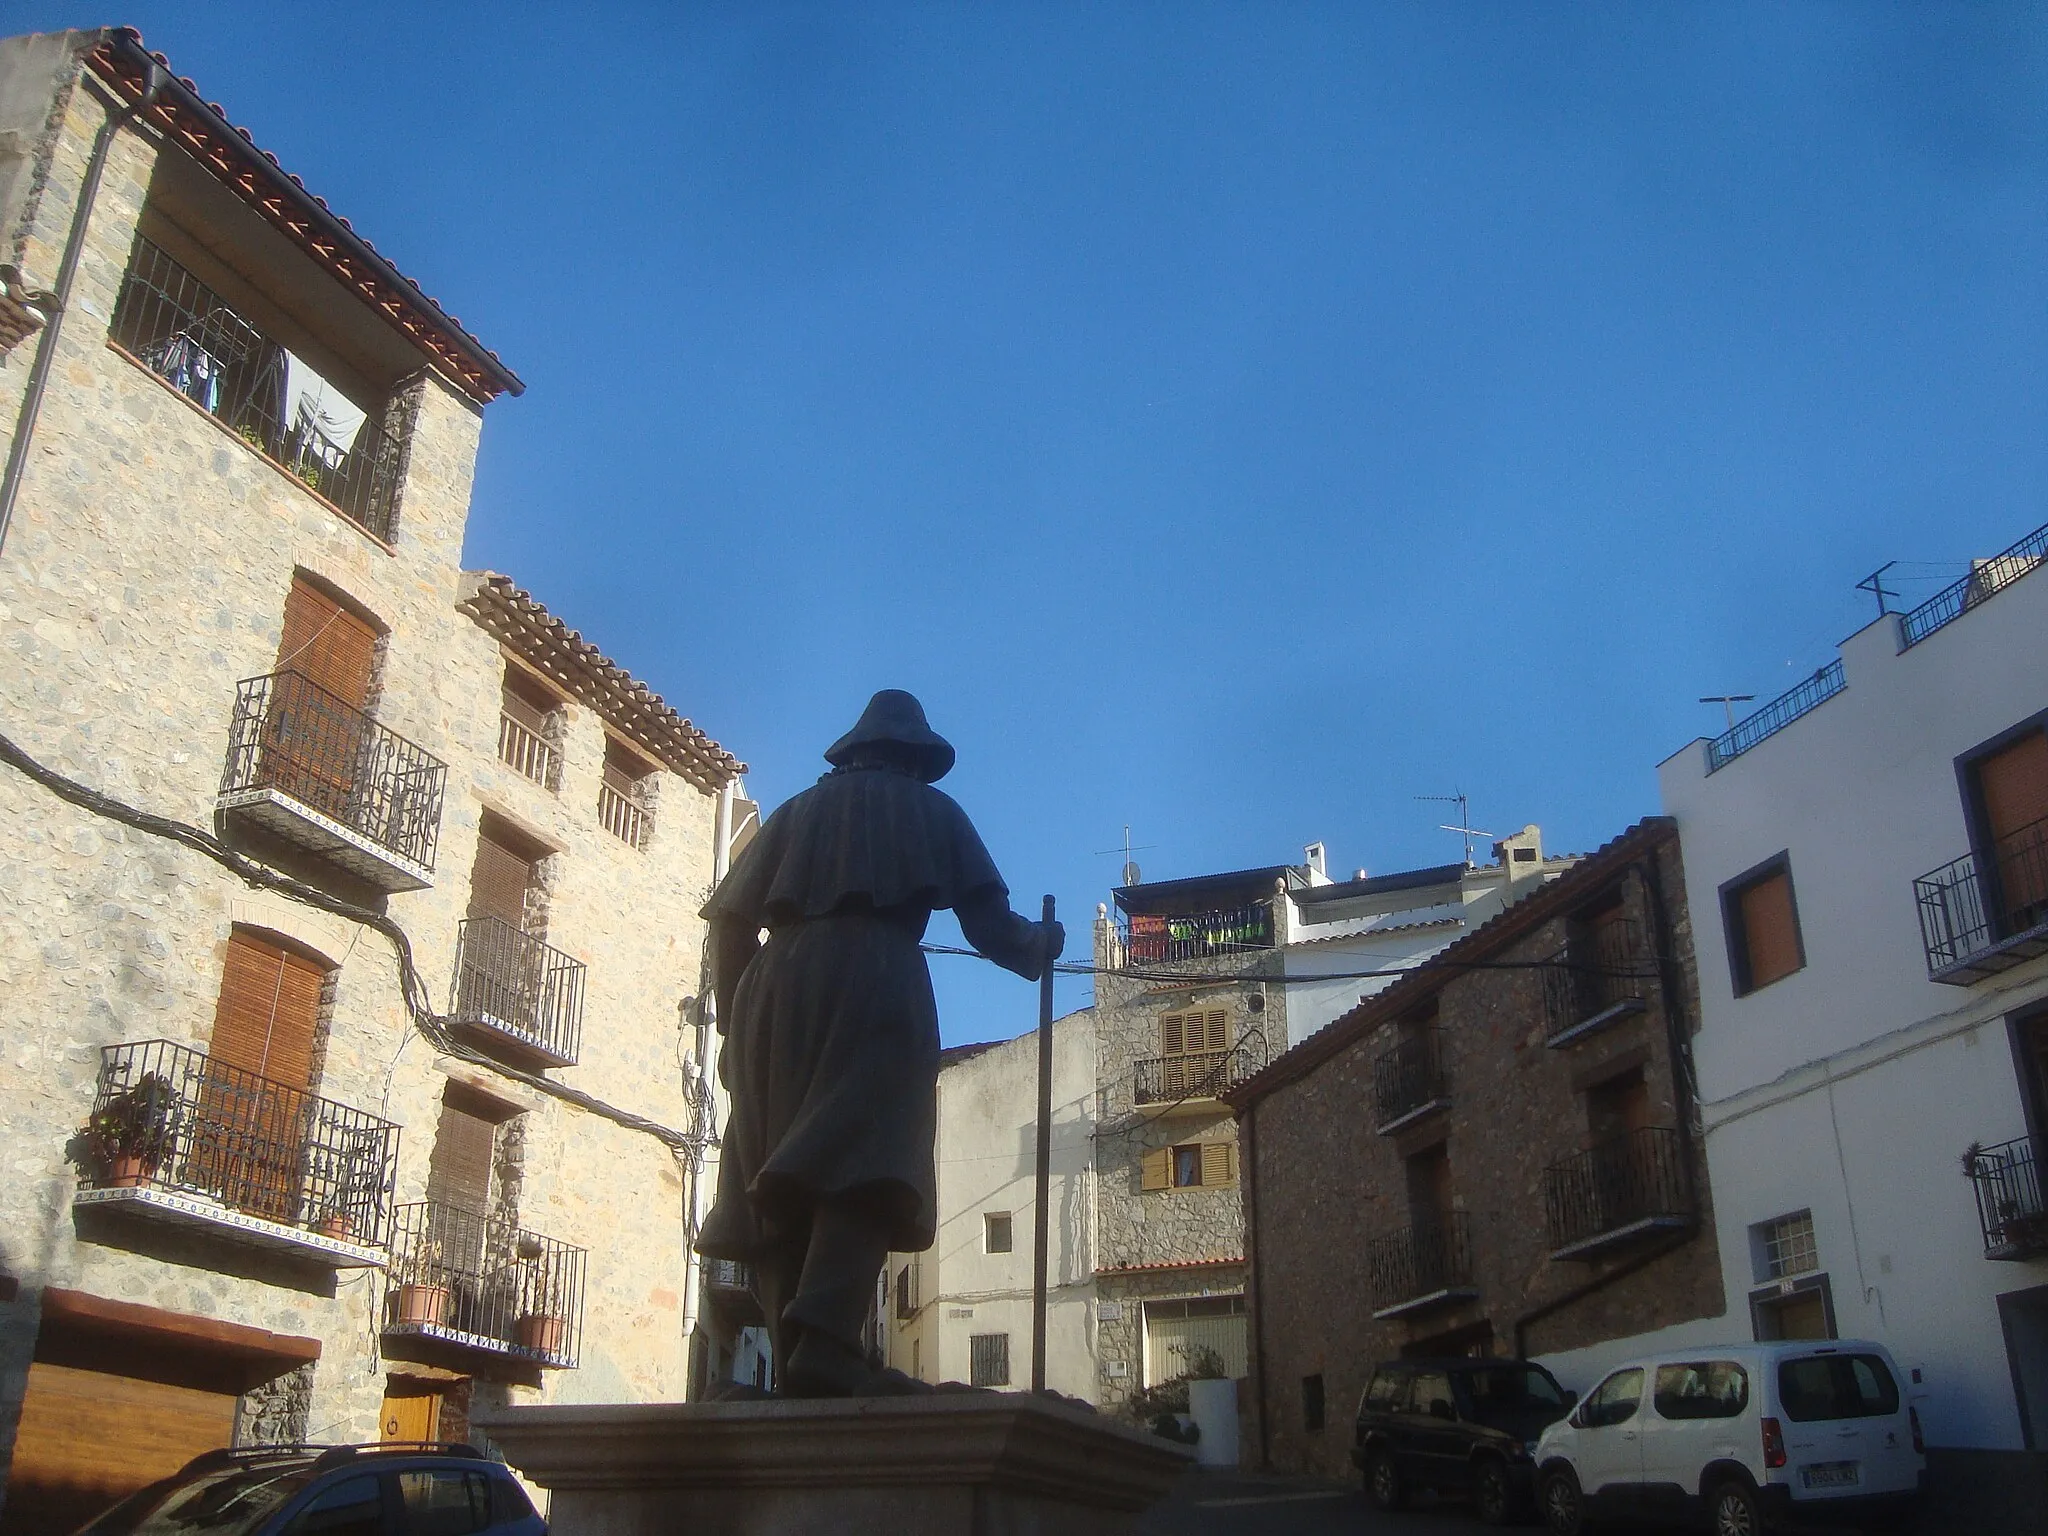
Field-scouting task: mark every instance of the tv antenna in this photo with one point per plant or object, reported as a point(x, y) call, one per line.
point(1132, 874)
point(1874, 585)
point(1464, 827)
point(1728, 701)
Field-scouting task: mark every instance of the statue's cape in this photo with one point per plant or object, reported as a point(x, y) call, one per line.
point(870, 835)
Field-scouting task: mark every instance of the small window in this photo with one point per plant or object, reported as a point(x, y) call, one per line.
point(526, 720)
point(1312, 1402)
point(1762, 919)
point(1788, 1246)
point(1837, 1387)
point(995, 1231)
point(445, 1501)
point(906, 1292)
point(1701, 1389)
point(988, 1356)
point(352, 1507)
point(622, 796)
point(1614, 1401)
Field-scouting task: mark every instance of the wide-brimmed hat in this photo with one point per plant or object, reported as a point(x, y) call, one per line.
point(895, 718)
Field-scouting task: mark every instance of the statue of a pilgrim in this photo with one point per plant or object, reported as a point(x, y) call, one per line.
point(832, 1037)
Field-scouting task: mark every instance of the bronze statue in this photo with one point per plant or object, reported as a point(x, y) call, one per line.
point(832, 1036)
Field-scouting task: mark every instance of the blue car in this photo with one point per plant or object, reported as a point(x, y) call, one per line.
point(390, 1489)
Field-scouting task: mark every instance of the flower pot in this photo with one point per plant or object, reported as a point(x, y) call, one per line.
point(420, 1305)
point(540, 1333)
point(125, 1170)
point(340, 1227)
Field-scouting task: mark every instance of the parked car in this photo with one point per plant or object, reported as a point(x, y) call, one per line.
point(1749, 1434)
point(392, 1489)
point(1461, 1425)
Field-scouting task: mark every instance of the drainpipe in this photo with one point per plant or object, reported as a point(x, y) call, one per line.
point(1248, 1178)
point(707, 1007)
point(59, 302)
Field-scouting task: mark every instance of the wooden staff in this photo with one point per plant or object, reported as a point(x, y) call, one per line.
point(1040, 1215)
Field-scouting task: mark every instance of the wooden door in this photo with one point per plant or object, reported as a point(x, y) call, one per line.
point(2012, 794)
point(314, 735)
point(89, 1438)
point(412, 1410)
point(254, 1115)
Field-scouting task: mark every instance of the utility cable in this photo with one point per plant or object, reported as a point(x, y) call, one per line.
point(413, 989)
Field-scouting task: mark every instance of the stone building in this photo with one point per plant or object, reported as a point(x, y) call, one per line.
point(348, 1082)
point(961, 1310)
point(1498, 1154)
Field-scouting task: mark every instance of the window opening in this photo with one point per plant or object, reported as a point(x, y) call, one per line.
point(995, 1232)
point(988, 1359)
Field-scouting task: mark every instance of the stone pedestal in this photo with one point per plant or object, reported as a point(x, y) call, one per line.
point(972, 1464)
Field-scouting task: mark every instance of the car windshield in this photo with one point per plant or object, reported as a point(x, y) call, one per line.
point(223, 1503)
point(1511, 1392)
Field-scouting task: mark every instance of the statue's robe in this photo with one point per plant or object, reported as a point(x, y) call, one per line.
point(832, 1047)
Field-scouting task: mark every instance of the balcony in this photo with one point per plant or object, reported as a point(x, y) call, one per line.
point(1980, 916)
point(1603, 975)
point(2010, 1210)
point(1617, 1193)
point(192, 1142)
point(1153, 940)
point(622, 816)
point(475, 1287)
point(306, 766)
point(518, 992)
point(1408, 1082)
point(1423, 1265)
point(185, 334)
point(526, 751)
point(1190, 1080)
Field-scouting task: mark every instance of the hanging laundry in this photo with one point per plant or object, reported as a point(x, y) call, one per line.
point(318, 415)
point(190, 369)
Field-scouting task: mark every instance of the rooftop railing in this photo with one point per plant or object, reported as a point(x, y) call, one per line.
point(2010, 1209)
point(1409, 1078)
point(186, 334)
point(519, 988)
point(1633, 1184)
point(1982, 915)
point(1987, 579)
point(463, 1279)
point(294, 737)
point(1149, 939)
point(1603, 972)
point(1428, 1260)
point(246, 1143)
point(1776, 715)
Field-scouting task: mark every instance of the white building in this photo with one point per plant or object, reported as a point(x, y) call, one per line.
point(961, 1311)
point(1870, 855)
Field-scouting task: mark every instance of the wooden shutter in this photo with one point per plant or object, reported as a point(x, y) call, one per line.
point(527, 701)
point(2013, 783)
point(623, 767)
point(459, 1170)
point(268, 1017)
point(327, 644)
point(1770, 929)
point(1156, 1169)
point(1219, 1163)
point(499, 881)
point(1172, 1036)
point(1209, 1031)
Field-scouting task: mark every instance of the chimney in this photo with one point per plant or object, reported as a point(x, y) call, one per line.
point(1521, 856)
point(1315, 856)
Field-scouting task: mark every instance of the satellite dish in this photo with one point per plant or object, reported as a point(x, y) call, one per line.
point(1131, 875)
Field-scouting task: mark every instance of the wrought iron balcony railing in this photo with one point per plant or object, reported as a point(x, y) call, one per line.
point(1602, 973)
point(1194, 1075)
point(530, 753)
point(1408, 1079)
point(1615, 1192)
point(375, 797)
point(2010, 1210)
point(1150, 940)
point(462, 1279)
point(1980, 916)
point(1986, 580)
point(1420, 1265)
point(1776, 715)
point(186, 334)
point(519, 989)
point(212, 1145)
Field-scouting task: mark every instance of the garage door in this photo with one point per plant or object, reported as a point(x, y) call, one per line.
point(89, 1437)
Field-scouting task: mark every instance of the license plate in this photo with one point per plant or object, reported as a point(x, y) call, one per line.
point(1829, 1474)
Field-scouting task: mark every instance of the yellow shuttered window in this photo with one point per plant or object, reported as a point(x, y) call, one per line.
point(1192, 1045)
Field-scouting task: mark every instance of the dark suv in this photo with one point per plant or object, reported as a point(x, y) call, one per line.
point(392, 1489)
point(1459, 1426)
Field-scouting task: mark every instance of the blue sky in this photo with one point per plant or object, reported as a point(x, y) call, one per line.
point(1232, 420)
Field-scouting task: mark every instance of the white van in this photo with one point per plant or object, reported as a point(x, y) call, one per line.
point(1749, 1433)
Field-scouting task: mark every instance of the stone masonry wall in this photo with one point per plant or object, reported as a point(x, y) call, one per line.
point(1326, 1184)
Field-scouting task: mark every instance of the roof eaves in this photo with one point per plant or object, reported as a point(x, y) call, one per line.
point(1430, 975)
point(229, 153)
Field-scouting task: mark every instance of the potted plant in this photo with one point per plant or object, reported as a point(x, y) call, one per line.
point(543, 1324)
point(423, 1294)
point(125, 1140)
point(357, 1185)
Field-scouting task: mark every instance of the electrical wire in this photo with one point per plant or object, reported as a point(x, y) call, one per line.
point(1125, 973)
point(412, 986)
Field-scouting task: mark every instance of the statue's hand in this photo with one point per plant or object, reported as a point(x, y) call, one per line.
point(1055, 939)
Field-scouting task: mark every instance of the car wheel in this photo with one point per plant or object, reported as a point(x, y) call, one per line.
point(1564, 1507)
point(1734, 1510)
point(1384, 1484)
point(1493, 1495)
